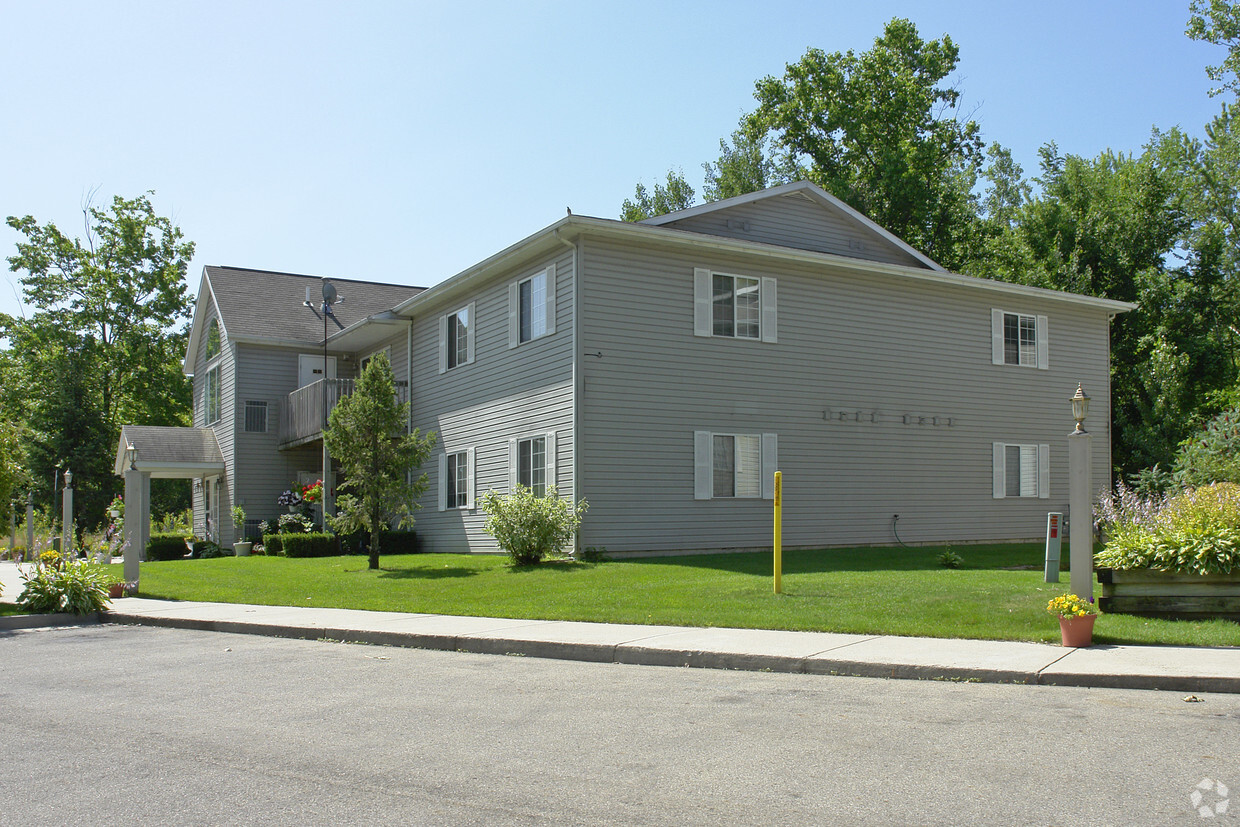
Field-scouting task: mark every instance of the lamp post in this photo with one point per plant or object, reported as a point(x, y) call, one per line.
point(29, 525)
point(1081, 531)
point(137, 517)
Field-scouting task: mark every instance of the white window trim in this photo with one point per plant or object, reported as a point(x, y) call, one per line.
point(703, 298)
point(216, 369)
point(999, 469)
point(470, 487)
point(704, 465)
point(514, 307)
point(996, 338)
point(469, 337)
point(550, 467)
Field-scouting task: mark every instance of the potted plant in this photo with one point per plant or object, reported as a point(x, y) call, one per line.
point(242, 547)
point(116, 589)
point(1076, 619)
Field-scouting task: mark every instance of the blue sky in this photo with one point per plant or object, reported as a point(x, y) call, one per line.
point(405, 141)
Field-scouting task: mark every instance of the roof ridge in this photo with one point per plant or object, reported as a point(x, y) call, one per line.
point(311, 276)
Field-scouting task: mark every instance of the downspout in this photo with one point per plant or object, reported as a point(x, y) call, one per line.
point(577, 377)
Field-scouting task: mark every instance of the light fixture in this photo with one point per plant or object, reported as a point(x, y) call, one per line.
point(132, 453)
point(1080, 408)
point(68, 478)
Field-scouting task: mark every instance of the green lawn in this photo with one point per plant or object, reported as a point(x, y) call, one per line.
point(868, 591)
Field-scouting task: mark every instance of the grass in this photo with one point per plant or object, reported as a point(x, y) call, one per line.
point(864, 591)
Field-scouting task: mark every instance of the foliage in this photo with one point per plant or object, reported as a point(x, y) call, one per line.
point(365, 433)
point(313, 492)
point(881, 131)
point(1218, 22)
point(1193, 532)
point(291, 496)
point(166, 547)
point(676, 195)
point(205, 550)
point(1069, 605)
point(950, 559)
point(748, 164)
point(297, 523)
point(529, 528)
point(318, 544)
point(238, 517)
point(64, 585)
point(12, 465)
point(103, 345)
point(393, 542)
point(174, 522)
point(1213, 455)
point(273, 544)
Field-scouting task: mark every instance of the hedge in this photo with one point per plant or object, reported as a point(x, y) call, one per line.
point(166, 547)
point(273, 545)
point(390, 542)
point(310, 545)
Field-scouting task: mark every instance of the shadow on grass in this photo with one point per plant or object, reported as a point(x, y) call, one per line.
point(424, 574)
point(559, 566)
point(922, 558)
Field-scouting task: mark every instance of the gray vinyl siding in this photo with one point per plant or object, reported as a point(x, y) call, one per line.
point(226, 360)
point(505, 393)
point(849, 342)
point(795, 221)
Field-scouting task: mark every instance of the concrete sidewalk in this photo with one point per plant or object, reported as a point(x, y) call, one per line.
point(1179, 668)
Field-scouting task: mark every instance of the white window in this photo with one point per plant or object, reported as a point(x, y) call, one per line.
point(1021, 470)
point(733, 306)
point(531, 307)
point(211, 396)
point(531, 462)
point(213, 339)
point(734, 465)
point(255, 417)
point(456, 480)
point(456, 338)
point(1018, 339)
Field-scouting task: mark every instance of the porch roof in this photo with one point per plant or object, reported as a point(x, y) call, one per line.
point(170, 453)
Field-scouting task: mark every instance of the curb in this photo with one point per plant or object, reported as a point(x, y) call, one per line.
point(637, 654)
point(11, 623)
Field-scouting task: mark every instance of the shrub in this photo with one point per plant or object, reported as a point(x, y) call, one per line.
point(166, 547)
point(950, 559)
point(529, 528)
point(1195, 532)
point(310, 545)
point(205, 550)
point(65, 586)
point(1212, 455)
point(390, 542)
point(273, 544)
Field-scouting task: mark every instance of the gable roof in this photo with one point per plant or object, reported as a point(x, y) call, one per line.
point(813, 193)
point(170, 452)
point(269, 307)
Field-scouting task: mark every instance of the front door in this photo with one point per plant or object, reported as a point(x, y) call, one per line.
point(310, 368)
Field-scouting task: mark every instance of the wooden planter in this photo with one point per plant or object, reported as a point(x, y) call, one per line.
point(1164, 594)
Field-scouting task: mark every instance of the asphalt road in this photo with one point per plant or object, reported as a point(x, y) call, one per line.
point(161, 726)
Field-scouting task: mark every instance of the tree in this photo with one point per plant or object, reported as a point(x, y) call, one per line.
point(676, 195)
point(746, 165)
point(1218, 22)
point(364, 433)
point(104, 344)
point(880, 131)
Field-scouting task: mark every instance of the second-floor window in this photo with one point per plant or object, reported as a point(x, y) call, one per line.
point(531, 311)
point(1018, 339)
point(456, 338)
point(733, 306)
point(211, 396)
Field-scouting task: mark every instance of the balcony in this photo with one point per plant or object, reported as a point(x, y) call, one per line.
point(306, 409)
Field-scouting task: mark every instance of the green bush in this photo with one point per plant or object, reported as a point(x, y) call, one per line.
point(166, 547)
point(310, 545)
point(529, 528)
point(273, 544)
point(1195, 532)
point(1212, 455)
point(64, 586)
point(206, 550)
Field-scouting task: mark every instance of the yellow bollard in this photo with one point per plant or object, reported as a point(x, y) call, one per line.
point(779, 525)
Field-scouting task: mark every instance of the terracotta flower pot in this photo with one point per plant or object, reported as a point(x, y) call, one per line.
point(116, 590)
point(1077, 631)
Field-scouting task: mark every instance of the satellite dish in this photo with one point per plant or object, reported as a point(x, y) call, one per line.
point(329, 292)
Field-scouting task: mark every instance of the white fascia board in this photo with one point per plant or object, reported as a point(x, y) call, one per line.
point(358, 331)
point(809, 189)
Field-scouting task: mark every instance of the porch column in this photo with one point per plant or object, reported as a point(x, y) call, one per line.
point(137, 520)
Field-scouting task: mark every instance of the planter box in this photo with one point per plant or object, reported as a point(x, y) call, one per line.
point(1165, 594)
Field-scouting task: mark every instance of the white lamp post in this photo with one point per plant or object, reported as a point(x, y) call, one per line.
point(1081, 531)
point(66, 517)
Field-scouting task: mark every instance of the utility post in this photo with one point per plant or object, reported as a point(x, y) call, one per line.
point(66, 516)
point(29, 525)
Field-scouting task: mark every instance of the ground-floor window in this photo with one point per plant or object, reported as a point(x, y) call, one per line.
point(456, 479)
point(734, 465)
point(1021, 470)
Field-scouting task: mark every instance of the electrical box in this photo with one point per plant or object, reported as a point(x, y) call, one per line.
point(1054, 541)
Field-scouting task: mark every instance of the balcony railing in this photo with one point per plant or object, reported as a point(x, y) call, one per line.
point(305, 410)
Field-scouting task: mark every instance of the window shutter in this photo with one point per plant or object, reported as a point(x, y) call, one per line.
point(996, 340)
point(443, 343)
point(443, 481)
point(999, 484)
point(701, 302)
point(770, 464)
point(767, 300)
point(551, 300)
point(1044, 470)
point(551, 463)
point(469, 334)
point(514, 314)
point(703, 467)
point(1043, 344)
point(1029, 470)
point(471, 486)
point(512, 465)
